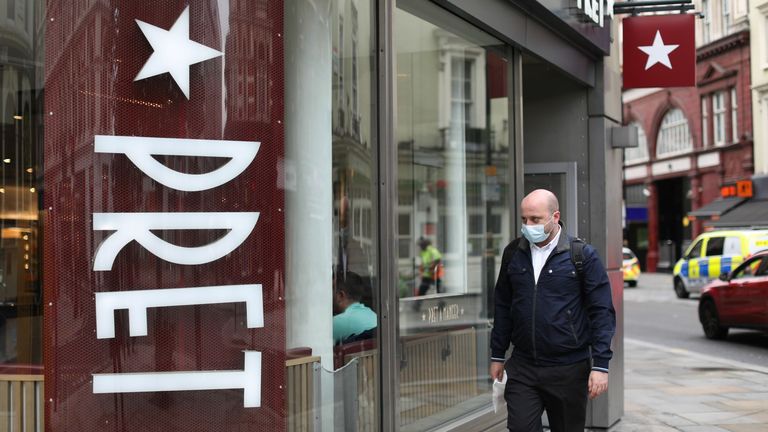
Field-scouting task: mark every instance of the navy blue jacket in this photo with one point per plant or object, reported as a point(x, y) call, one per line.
point(555, 321)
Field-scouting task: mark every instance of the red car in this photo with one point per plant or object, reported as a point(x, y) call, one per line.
point(737, 299)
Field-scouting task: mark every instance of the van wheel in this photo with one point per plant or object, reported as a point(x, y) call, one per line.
point(680, 289)
point(710, 323)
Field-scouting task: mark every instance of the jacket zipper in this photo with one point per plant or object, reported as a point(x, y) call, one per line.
point(533, 322)
point(535, 298)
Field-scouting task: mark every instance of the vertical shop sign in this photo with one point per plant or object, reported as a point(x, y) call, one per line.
point(164, 224)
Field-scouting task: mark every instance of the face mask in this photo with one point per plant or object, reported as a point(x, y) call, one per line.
point(534, 233)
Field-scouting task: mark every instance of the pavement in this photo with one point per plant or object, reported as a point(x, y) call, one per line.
point(670, 389)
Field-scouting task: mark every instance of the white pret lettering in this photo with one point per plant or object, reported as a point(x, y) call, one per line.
point(137, 302)
point(248, 379)
point(138, 226)
point(597, 11)
point(141, 149)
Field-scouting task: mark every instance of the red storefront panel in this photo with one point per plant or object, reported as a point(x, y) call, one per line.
point(94, 50)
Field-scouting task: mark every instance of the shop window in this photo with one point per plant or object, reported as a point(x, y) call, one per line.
point(639, 153)
point(674, 137)
point(20, 225)
point(718, 117)
point(453, 153)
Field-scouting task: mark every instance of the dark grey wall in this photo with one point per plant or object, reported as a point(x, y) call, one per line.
point(556, 127)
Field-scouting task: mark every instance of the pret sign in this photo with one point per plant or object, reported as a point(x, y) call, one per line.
point(164, 221)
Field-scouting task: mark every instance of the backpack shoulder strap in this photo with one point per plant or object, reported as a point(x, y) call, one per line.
point(577, 256)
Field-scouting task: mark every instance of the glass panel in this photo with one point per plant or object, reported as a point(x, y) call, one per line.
point(20, 199)
point(732, 246)
point(734, 116)
point(332, 251)
point(718, 112)
point(696, 250)
point(673, 135)
point(453, 152)
point(704, 122)
point(715, 246)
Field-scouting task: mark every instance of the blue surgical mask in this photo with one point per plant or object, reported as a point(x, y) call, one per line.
point(534, 233)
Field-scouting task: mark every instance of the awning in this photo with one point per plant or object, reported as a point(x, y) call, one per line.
point(717, 207)
point(751, 214)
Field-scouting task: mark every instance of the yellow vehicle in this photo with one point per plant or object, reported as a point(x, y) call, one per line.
point(630, 266)
point(714, 253)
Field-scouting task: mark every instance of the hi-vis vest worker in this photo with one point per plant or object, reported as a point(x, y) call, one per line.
point(715, 253)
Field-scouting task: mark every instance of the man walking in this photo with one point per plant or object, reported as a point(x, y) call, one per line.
point(553, 303)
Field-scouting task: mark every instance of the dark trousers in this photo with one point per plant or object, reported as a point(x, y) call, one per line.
point(426, 283)
point(560, 390)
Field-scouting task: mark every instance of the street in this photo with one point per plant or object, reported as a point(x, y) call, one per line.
point(652, 313)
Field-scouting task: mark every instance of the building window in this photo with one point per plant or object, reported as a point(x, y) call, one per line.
point(718, 117)
point(734, 116)
point(674, 136)
point(706, 22)
point(765, 39)
point(726, 16)
point(704, 122)
point(461, 91)
point(639, 153)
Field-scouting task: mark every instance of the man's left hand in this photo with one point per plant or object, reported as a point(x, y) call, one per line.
point(598, 383)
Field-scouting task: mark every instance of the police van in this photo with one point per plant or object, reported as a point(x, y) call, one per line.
point(713, 253)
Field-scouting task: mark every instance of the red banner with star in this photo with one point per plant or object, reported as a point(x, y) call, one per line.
point(659, 51)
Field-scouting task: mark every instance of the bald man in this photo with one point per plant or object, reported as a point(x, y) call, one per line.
point(559, 322)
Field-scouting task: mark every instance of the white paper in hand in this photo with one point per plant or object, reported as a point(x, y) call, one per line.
point(498, 392)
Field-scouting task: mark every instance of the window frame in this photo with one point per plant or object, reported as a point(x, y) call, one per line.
point(718, 118)
point(674, 136)
point(704, 121)
point(734, 116)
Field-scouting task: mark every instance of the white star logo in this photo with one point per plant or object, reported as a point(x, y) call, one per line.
point(658, 52)
point(173, 52)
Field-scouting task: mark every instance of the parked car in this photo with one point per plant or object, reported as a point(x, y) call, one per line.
point(737, 299)
point(712, 254)
point(630, 266)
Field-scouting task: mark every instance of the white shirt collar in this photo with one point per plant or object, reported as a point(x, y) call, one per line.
point(539, 255)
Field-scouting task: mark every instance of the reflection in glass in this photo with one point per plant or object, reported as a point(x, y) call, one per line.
point(20, 141)
point(332, 279)
point(453, 212)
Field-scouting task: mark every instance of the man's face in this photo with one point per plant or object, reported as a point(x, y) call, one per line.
point(535, 212)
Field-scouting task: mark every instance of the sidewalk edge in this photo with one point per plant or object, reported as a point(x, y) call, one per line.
point(680, 351)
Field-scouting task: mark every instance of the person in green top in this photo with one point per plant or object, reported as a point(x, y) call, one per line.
point(352, 319)
point(431, 267)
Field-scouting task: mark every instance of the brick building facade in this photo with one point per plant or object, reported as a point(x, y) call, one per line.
point(693, 140)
